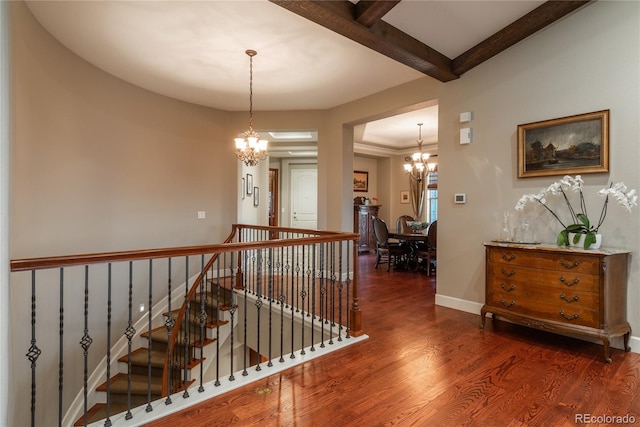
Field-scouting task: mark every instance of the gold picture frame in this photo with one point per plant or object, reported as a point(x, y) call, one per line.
point(361, 181)
point(570, 145)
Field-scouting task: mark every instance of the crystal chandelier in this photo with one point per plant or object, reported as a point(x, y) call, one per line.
point(417, 165)
point(250, 149)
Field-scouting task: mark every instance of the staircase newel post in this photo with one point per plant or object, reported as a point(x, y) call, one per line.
point(355, 313)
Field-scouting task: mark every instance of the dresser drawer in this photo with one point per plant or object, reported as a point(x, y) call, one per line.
point(567, 313)
point(562, 298)
point(567, 262)
point(508, 275)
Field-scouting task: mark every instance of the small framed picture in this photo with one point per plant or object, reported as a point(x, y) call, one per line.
point(249, 183)
point(256, 196)
point(404, 197)
point(361, 181)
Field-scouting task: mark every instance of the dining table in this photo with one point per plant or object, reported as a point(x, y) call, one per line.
point(414, 240)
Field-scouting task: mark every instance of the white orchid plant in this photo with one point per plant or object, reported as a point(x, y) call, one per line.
point(580, 220)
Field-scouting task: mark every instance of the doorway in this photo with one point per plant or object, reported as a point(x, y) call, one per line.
point(304, 198)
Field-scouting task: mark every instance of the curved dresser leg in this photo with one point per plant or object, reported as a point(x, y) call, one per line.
point(483, 317)
point(626, 341)
point(606, 344)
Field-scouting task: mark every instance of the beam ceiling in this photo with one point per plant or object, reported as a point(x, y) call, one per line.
point(362, 22)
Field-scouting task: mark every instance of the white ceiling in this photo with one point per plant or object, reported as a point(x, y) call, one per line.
point(195, 51)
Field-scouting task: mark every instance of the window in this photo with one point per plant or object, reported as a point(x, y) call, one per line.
point(432, 197)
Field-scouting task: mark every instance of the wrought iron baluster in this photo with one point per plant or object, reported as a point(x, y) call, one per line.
point(323, 289)
point(313, 297)
point(349, 283)
point(232, 313)
point(185, 333)
point(203, 321)
point(149, 408)
point(107, 422)
point(169, 323)
point(34, 352)
point(217, 316)
point(282, 298)
point(270, 267)
point(61, 348)
point(340, 287)
point(129, 332)
point(303, 295)
point(85, 343)
point(258, 304)
point(293, 297)
point(332, 296)
point(245, 347)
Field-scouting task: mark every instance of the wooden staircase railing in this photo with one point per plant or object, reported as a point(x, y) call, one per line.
point(270, 274)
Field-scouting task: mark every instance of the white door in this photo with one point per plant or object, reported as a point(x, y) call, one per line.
point(304, 198)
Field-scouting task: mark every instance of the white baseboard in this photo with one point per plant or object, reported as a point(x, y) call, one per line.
point(475, 307)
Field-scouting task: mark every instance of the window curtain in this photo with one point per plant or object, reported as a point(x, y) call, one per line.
point(417, 195)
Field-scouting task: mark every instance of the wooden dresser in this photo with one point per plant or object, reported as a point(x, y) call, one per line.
point(362, 224)
point(571, 291)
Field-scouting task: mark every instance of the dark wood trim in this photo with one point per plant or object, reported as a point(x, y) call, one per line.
point(529, 24)
point(368, 12)
point(340, 16)
point(362, 22)
point(145, 254)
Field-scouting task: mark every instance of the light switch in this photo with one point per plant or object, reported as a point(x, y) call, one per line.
point(465, 136)
point(466, 117)
point(202, 215)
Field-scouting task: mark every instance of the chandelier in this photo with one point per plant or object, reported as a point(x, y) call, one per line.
point(417, 165)
point(250, 149)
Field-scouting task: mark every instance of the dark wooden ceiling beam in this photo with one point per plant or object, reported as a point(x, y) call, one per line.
point(534, 21)
point(368, 12)
point(362, 22)
point(341, 16)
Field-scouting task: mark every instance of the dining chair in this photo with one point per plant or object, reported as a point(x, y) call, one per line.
point(402, 226)
point(431, 251)
point(386, 251)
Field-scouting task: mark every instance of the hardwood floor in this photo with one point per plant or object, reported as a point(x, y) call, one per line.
point(425, 365)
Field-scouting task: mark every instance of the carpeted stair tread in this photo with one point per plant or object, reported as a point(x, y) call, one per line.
point(140, 357)
point(99, 412)
point(139, 384)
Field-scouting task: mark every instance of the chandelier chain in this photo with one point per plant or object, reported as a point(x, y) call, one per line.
point(250, 149)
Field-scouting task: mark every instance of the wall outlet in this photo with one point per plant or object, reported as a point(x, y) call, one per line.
point(202, 214)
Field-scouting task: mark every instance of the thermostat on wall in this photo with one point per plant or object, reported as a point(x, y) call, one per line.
point(460, 198)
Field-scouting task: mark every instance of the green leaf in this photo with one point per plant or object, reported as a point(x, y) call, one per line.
point(576, 238)
point(576, 228)
point(584, 219)
point(589, 239)
point(563, 238)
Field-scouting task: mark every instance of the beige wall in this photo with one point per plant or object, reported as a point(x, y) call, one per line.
point(98, 164)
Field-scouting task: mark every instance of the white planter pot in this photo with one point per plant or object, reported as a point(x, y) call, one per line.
point(580, 243)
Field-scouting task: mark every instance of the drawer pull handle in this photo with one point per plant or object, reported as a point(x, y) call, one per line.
point(507, 304)
point(569, 300)
point(575, 315)
point(508, 273)
point(568, 264)
point(511, 288)
point(571, 283)
point(507, 258)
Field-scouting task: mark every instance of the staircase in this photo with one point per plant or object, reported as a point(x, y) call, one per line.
point(147, 363)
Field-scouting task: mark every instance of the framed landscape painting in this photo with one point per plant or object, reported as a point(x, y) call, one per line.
point(360, 181)
point(569, 145)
